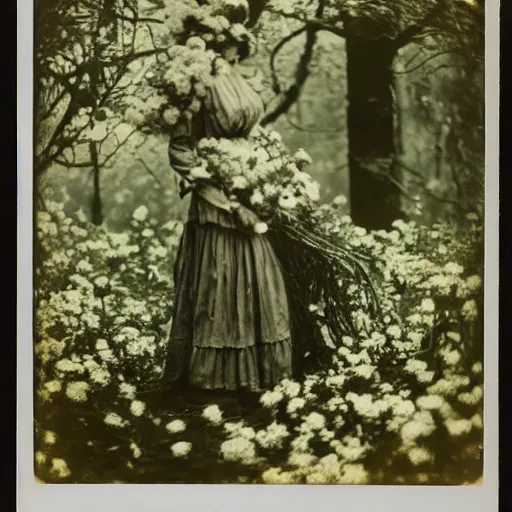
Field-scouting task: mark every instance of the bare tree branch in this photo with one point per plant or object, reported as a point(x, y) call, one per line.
point(415, 30)
point(302, 72)
point(311, 130)
point(292, 94)
point(275, 81)
point(428, 59)
point(141, 160)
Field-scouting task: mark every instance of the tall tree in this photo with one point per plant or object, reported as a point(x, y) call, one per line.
point(374, 32)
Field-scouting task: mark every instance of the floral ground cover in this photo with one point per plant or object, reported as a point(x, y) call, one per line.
point(401, 403)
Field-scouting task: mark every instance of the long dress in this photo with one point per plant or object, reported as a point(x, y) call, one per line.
point(231, 327)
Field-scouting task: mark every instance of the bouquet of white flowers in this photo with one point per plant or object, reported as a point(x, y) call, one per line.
point(258, 172)
point(173, 87)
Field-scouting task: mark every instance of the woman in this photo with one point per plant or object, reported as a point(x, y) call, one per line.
point(230, 325)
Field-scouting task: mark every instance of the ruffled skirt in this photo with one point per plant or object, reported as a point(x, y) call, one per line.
point(230, 326)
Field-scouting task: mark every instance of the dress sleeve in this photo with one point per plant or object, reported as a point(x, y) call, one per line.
point(183, 158)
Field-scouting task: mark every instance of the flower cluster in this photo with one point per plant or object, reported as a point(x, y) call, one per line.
point(259, 172)
point(407, 391)
point(171, 89)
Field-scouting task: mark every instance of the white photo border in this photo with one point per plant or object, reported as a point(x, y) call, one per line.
point(226, 498)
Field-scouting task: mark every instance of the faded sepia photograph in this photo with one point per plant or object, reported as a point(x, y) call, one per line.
point(258, 243)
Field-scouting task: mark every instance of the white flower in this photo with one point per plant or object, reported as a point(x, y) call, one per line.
point(290, 388)
point(424, 377)
point(53, 386)
point(458, 427)
point(240, 182)
point(394, 331)
point(101, 344)
point(348, 341)
point(114, 420)
point(354, 474)
point(473, 397)
point(301, 460)
point(271, 398)
point(469, 310)
point(476, 420)
point(315, 421)
point(140, 214)
point(477, 368)
point(50, 437)
point(415, 366)
point(84, 266)
point(99, 376)
point(415, 428)
point(364, 370)
point(136, 452)
point(137, 407)
point(77, 391)
point(257, 197)
point(260, 228)
point(350, 449)
point(295, 404)
point(65, 365)
point(301, 442)
point(414, 319)
point(386, 387)
point(473, 283)
point(340, 200)
point(450, 357)
point(40, 458)
point(277, 476)
point(336, 381)
point(101, 282)
point(453, 268)
point(60, 468)
point(403, 408)
point(175, 426)
point(430, 402)
point(287, 201)
point(272, 436)
point(181, 449)
point(171, 116)
point(428, 306)
point(233, 428)
point(238, 449)
point(453, 336)
point(302, 156)
point(196, 43)
point(213, 414)
point(326, 435)
point(418, 455)
point(312, 189)
point(247, 433)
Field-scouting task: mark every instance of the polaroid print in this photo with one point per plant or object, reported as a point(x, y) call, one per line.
point(259, 242)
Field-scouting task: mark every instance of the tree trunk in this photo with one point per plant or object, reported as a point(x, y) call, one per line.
point(373, 172)
point(96, 205)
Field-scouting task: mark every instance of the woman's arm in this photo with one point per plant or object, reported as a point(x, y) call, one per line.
point(183, 158)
